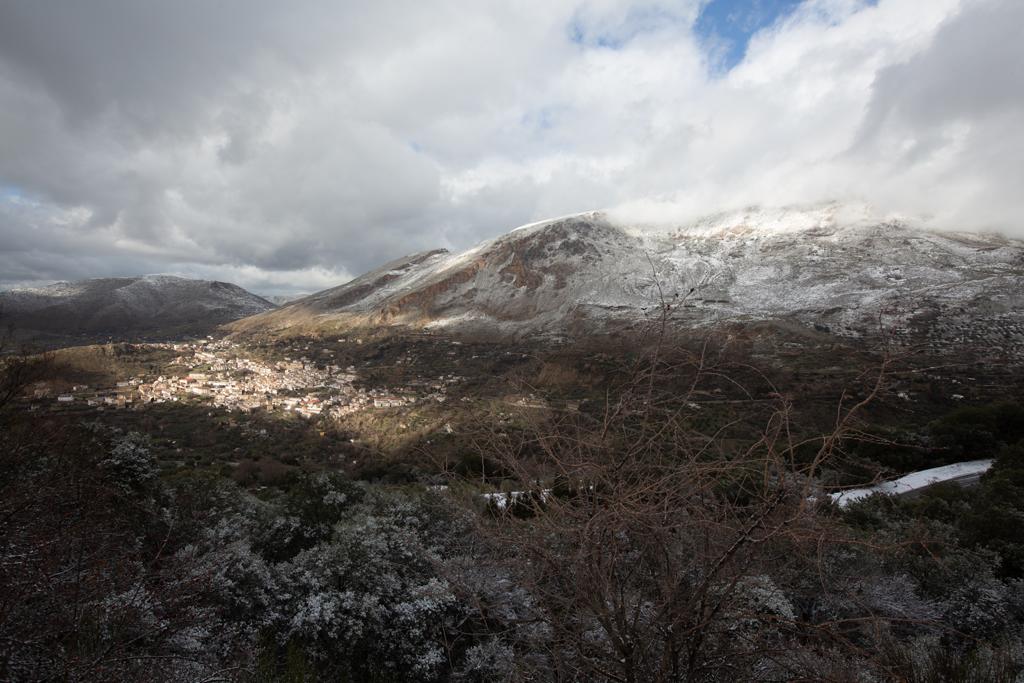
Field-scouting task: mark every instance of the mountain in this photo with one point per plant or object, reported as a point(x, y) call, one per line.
point(154, 306)
point(838, 268)
point(282, 299)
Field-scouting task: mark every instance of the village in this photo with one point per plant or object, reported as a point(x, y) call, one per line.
point(220, 373)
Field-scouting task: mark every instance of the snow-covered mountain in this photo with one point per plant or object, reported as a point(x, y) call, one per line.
point(836, 267)
point(282, 299)
point(154, 305)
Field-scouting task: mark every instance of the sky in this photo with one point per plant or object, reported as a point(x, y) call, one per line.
point(288, 147)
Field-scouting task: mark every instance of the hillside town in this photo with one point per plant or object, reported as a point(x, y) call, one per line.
point(220, 373)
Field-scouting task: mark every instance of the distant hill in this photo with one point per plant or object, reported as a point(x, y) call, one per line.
point(150, 307)
point(282, 299)
point(835, 268)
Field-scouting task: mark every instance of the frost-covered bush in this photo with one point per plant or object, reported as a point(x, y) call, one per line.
point(759, 595)
point(980, 608)
point(369, 601)
point(132, 613)
point(320, 501)
point(897, 597)
point(282, 537)
point(930, 658)
point(243, 583)
point(130, 463)
point(491, 660)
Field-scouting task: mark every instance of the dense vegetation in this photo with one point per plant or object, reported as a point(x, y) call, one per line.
point(648, 543)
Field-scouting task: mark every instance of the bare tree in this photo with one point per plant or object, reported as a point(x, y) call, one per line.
point(654, 545)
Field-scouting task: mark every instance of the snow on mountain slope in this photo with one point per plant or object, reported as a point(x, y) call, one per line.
point(125, 307)
point(837, 267)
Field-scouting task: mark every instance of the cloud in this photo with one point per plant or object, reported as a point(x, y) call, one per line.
point(288, 146)
point(944, 125)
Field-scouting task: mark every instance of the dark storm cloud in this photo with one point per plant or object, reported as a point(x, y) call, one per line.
point(159, 121)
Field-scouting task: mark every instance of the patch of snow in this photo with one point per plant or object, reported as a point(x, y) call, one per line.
point(455, 320)
point(549, 221)
point(502, 500)
point(915, 481)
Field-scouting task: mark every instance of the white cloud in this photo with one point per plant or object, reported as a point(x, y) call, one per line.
point(289, 146)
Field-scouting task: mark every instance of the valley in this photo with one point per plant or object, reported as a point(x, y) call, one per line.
point(589, 341)
point(416, 401)
point(815, 422)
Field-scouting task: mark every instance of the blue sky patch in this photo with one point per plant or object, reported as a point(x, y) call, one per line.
point(731, 23)
point(10, 192)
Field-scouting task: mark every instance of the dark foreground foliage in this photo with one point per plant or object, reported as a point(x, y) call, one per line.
point(643, 547)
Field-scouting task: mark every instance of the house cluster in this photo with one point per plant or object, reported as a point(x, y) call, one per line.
point(219, 372)
point(122, 395)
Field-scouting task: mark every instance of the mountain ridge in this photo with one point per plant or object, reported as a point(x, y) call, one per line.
point(833, 266)
point(127, 307)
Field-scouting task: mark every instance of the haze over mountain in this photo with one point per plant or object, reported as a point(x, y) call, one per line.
point(153, 306)
point(838, 267)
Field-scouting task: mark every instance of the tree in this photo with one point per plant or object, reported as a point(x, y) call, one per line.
point(652, 550)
